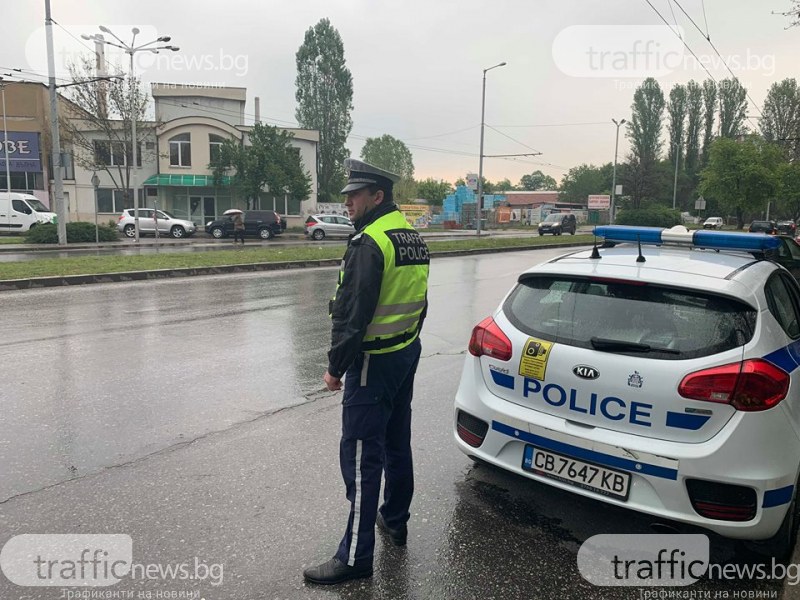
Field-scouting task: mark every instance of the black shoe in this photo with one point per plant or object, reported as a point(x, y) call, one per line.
point(398, 536)
point(334, 571)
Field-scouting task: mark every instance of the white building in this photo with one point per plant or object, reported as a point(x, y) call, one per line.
point(175, 151)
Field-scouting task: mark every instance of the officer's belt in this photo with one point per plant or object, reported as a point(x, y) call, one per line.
point(380, 344)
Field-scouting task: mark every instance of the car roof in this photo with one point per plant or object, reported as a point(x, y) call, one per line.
point(735, 273)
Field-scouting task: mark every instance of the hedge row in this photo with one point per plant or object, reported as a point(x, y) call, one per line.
point(78, 232)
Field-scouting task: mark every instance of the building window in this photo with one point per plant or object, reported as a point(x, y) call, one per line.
point(22, 181)
point(116, 154)
point(111, 200)
point(180, 151)
point(214, 146)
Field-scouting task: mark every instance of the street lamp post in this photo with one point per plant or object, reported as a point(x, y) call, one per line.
point(479, 204)
point(5, 145)
point(613, 211)
point(95, 185)
point(131, 49)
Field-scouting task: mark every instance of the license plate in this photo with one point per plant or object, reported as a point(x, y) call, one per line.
point(588, 476)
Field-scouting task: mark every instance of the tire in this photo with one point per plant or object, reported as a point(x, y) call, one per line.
point(217, 233)
point(177, 232)
point(318, 234)
point(266, 233)
point(129, 231)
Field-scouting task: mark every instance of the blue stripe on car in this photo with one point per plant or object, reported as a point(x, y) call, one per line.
point(601, 458)
point(782, 358)
point(503, 380)
point(777, 497)
point(685, 421)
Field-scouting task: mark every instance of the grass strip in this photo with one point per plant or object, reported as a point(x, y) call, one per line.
point(92, 265)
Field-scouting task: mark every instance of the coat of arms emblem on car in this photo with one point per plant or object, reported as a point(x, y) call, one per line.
point(635, 380)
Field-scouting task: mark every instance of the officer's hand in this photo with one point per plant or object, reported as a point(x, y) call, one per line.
point(332, 383)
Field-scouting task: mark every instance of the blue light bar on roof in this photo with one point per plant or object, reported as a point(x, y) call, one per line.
point(713, 240)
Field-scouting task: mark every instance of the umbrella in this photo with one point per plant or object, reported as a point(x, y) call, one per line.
point(233, 211)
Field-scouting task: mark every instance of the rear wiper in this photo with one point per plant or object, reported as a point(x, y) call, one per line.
point(623, 346)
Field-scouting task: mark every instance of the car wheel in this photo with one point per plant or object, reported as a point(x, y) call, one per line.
point(177, 232)
point(266, 233)
point(318, 234)
point(129, 231)
point(217, 233)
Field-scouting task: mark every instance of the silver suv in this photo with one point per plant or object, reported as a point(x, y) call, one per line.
point(167, 223)
point(321, 226)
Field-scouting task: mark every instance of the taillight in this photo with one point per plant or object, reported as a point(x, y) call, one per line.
point(122, 216)
point(751, 385)
point(488, 339)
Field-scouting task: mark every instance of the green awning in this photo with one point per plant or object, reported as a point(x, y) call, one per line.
point(185, 180)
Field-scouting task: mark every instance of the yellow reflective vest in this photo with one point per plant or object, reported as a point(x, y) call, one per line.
point(404, 285)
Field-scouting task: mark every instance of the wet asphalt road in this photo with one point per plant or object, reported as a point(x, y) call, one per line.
point(190, 415)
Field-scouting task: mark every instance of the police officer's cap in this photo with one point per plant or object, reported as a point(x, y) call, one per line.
point(361, 175)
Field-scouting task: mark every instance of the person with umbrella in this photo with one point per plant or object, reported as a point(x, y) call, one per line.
point(237, 217)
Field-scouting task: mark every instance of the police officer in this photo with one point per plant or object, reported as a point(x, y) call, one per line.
point(377, 313)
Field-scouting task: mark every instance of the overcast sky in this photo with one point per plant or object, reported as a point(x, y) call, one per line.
point(417, 64)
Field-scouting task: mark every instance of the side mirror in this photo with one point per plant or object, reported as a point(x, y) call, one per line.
point(27, 211)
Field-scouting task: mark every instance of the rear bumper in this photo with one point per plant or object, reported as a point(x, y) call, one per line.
point(765, 462)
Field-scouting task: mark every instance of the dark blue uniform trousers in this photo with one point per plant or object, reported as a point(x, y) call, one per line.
point(376, 439)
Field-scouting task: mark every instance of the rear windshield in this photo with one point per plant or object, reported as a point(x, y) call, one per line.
point(629, 318)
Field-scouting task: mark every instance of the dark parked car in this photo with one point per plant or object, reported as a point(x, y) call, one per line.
point(266, 224)
point(558, 223)
point(787, 255)
point(763, 227)
point(787, 228)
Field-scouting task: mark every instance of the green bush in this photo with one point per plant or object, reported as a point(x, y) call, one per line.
point(77, 233)
point(652, 216)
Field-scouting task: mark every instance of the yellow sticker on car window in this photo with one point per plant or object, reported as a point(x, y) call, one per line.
point(534, 358)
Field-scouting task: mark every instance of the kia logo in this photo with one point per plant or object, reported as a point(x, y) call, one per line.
point(585, 372)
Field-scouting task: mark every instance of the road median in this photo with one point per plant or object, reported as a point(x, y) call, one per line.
point(107, 269)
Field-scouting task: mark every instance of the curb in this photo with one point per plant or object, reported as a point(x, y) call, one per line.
point(63, 280)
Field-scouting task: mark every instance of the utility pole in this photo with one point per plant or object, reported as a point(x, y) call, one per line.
point(612, 213)
point(55, 152)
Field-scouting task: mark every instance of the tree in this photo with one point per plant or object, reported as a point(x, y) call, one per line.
point(694, 121)
point(584, 180)
point(434, 191)
point(324, 101)
point(709, 110)
point(741, 175)
point(389, 153)
point(676, 109)
point(794, 13)
point(644, 133)
point(393, 155)
point(100, 130)
point(537, 181)
point(504, 185)
point(732, 108)
point(269, 162)
point(789, 189)
point(781, 117)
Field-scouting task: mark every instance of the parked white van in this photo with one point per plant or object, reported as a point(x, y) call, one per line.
point(21, 212)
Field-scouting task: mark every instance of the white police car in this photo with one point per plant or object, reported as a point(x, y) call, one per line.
point(659, 376)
